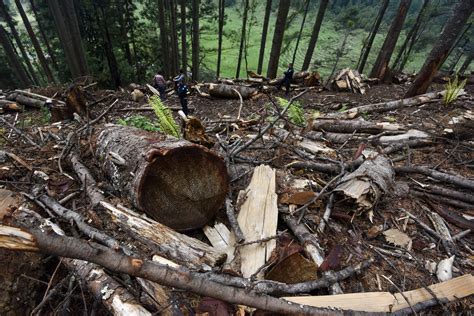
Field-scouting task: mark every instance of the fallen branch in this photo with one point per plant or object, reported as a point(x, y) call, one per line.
point(453, 179)
point(26, 137)
point(40, 241)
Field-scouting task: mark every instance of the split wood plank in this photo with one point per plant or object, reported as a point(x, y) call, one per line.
point(220, 238)
point(386, 302)
point(258, 219)
point(8, 199)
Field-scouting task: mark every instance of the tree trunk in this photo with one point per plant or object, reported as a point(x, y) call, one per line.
point(12, 58)
point(43, 35)
point(314, 35)
point(164, 38)
point(277, 41)
point(179, 184)
point(171, 4)
point(263, 41)
point(300, 32)
point(466, 29)
point(109, 50)
point(11, 25)
point(122, 12)
point(69, 13)
point(453, 27)
point(242, 37)
point(65, 38)
point(184, 52)
point(195, 46)
point(380, 69)
point(370, 39)
point(229, 91)
point(34, 41)
point(350, 126)
point(410, 36)
point(219, 39)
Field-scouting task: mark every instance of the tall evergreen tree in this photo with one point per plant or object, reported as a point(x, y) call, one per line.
point(184, 51)
point(242, 37)
point(13, 59)
point(6, 15)
point(219, 36)
point(195, 42)
point(164, 38)
point(305, 13)
point(34, 41)
point(263, 41)
point(277, 41)
point(364, 54)
point(44, 38)
point(314, 35)
point(380, 69)
point(452, 29)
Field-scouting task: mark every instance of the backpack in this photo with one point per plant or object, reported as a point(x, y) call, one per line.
point(182, 90)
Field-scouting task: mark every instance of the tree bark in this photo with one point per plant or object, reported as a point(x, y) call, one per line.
point(453, 27)
point(184, 51)
point(173, 35)
point(465, 65)
point(13, 60)
point(314, 35)
point(242, 37)
point(277, 41)
point(227, 91)
point(34, 41)
point(109, 50)
point(11, 25)
point(179, 184)
point(195, 46)
point(380, 69)
point(219, 38)
point(164, 38)
point(370, 40)
point(349, 126)
point(122, 13)
point(263, 40)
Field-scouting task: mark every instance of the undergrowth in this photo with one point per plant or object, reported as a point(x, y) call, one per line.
point(166, 122)
point(141, 122)
point(295, 112)
point(453, 88)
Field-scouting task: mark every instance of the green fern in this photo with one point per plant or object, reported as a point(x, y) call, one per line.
point(166, 123)
point(295, 112)
point(139, 121)
point(452, 90)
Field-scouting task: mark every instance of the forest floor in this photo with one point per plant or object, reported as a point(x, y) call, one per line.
point(350, 236)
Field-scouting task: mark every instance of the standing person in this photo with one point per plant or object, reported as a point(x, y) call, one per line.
point(159, 83)
point(179, 78)
point(288, 76)
point(183, 96)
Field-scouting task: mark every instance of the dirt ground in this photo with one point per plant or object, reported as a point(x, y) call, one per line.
point(28, 277)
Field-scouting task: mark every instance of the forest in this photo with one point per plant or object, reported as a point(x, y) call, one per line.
point(236, 157)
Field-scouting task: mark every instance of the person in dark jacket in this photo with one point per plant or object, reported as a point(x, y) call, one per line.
point(159, 83)
point(183, 96)
point(288, 76)
point(179, 78)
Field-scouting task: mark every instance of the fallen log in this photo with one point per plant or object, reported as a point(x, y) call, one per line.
point(336, 138)
point(387, 106)
point(26, 101)
point(6, 106)
point(453, 179)
point(369, 182)
point(38, 240)
point(179, 184)
point(227, 91)
point(36, 96)
point(186, 251)
point(360, 126)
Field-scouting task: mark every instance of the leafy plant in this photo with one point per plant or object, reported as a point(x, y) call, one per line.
point(166, 122)
point(45, 115)
point(453, 88)
point(139, 121)
point(295, 112)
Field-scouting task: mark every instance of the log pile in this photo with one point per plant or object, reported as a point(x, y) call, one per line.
point(349, 80)
point(267, 215)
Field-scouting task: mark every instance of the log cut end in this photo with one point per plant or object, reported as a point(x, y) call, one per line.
point(183, 187)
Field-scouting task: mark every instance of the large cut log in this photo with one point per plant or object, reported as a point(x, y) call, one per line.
point(179, 184)
point(360, 126)
point(6, 105)
point(26, 101)
point(227, 91)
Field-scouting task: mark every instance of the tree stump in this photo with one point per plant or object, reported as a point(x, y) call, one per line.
point(179, 184)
